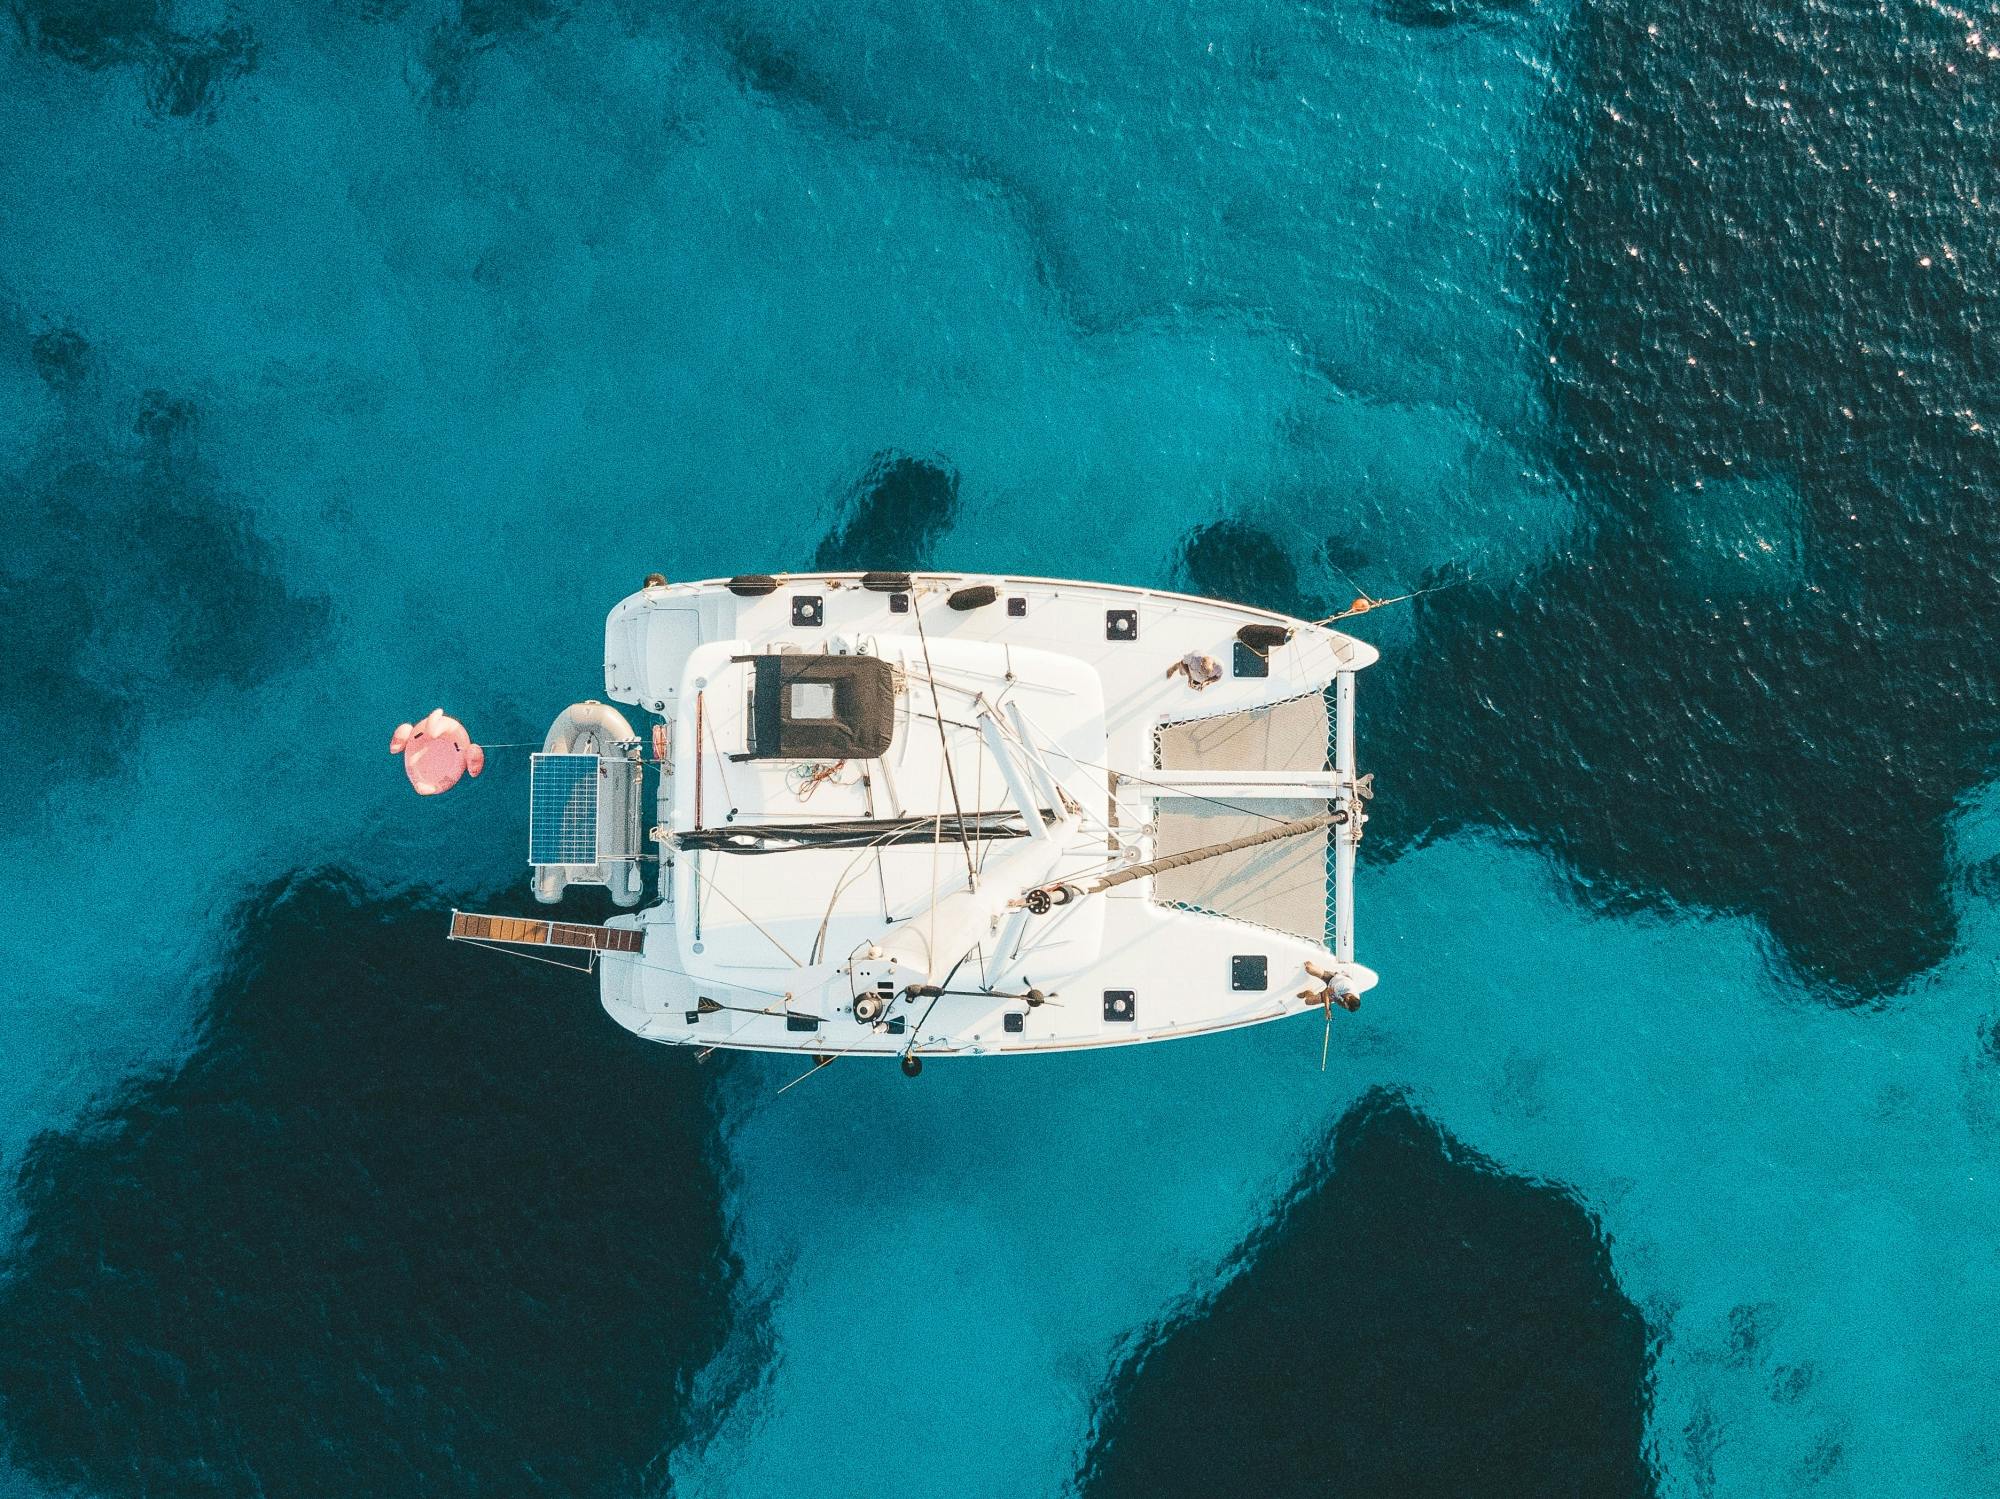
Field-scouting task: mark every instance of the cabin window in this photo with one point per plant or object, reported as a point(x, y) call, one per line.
point(812, 700)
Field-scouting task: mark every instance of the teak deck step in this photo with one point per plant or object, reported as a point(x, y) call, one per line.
point(525, 931)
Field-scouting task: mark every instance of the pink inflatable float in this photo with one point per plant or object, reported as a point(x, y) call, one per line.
point(436, 752)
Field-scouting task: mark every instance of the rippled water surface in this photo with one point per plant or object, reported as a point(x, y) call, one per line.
point(354, 359)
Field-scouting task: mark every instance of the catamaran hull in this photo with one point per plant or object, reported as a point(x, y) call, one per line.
point(1119, 736)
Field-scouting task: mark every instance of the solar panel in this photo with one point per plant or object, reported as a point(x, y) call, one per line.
point(562, 809)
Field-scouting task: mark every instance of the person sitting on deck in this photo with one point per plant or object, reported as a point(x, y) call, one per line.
point(1199, 670)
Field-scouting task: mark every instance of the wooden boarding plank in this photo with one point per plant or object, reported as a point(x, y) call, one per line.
point(523, 931)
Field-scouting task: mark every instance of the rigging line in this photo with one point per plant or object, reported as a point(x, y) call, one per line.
point(1345, 576)
point(979, 799)
point(874, 847)
point(820, 1063)
point(716, 887)
point(918, 1029)
point(937, 847)
point(956, 684)
point(721, 769)
point(1236, 807)
point(641, 962)
point(987, 994)
point(1364, 603)
point(881, 872)
point(702, 891)
point(531, 957)
point(1080, 809)
point(1127, 775)
point(1037, 762)
point(944, 748)
point(822, 1058)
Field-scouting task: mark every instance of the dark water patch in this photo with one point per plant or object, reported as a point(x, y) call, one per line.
point(132, 582)
point(183, 79)
point(183, 69)
point(62, 358)
point(1414, 1321)
point(1751, 1325)
point(93, 33)
point(1245, 563)
point(497, 18)
point(762, 63)
point(442, 71)
point(1693, 752)
point(411, 1219)
point(1766, 670)
point(893, 517)
point(1767, 262)
point(1436, 15)
point(1670, 751)
point(1791, 1383)
point(1825, 1460)
point(1989, 1040)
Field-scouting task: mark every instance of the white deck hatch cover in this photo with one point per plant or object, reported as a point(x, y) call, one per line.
point(562, 809)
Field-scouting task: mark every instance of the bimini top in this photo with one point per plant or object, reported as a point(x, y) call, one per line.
point(821, 707)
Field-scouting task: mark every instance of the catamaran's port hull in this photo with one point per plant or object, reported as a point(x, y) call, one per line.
point(1178, 979)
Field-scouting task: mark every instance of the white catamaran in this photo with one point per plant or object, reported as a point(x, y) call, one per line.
point(922, 815)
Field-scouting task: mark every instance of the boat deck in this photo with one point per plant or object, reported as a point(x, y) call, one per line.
point(1079, 677)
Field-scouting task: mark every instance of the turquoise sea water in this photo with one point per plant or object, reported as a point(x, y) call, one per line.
point(353, 361)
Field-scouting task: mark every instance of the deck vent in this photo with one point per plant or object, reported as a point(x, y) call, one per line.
point(899, 603)
point(1013, 1022)
point(1121, 624)
point(1017, 607)
point(808, 609)
point(1120, 1004)
point(1249, 971)
point(1250, 663)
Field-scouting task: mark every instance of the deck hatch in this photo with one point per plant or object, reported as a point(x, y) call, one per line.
point(1120, 1004)
point(1249, 971)
point(1121, 624)
point(819, 707)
